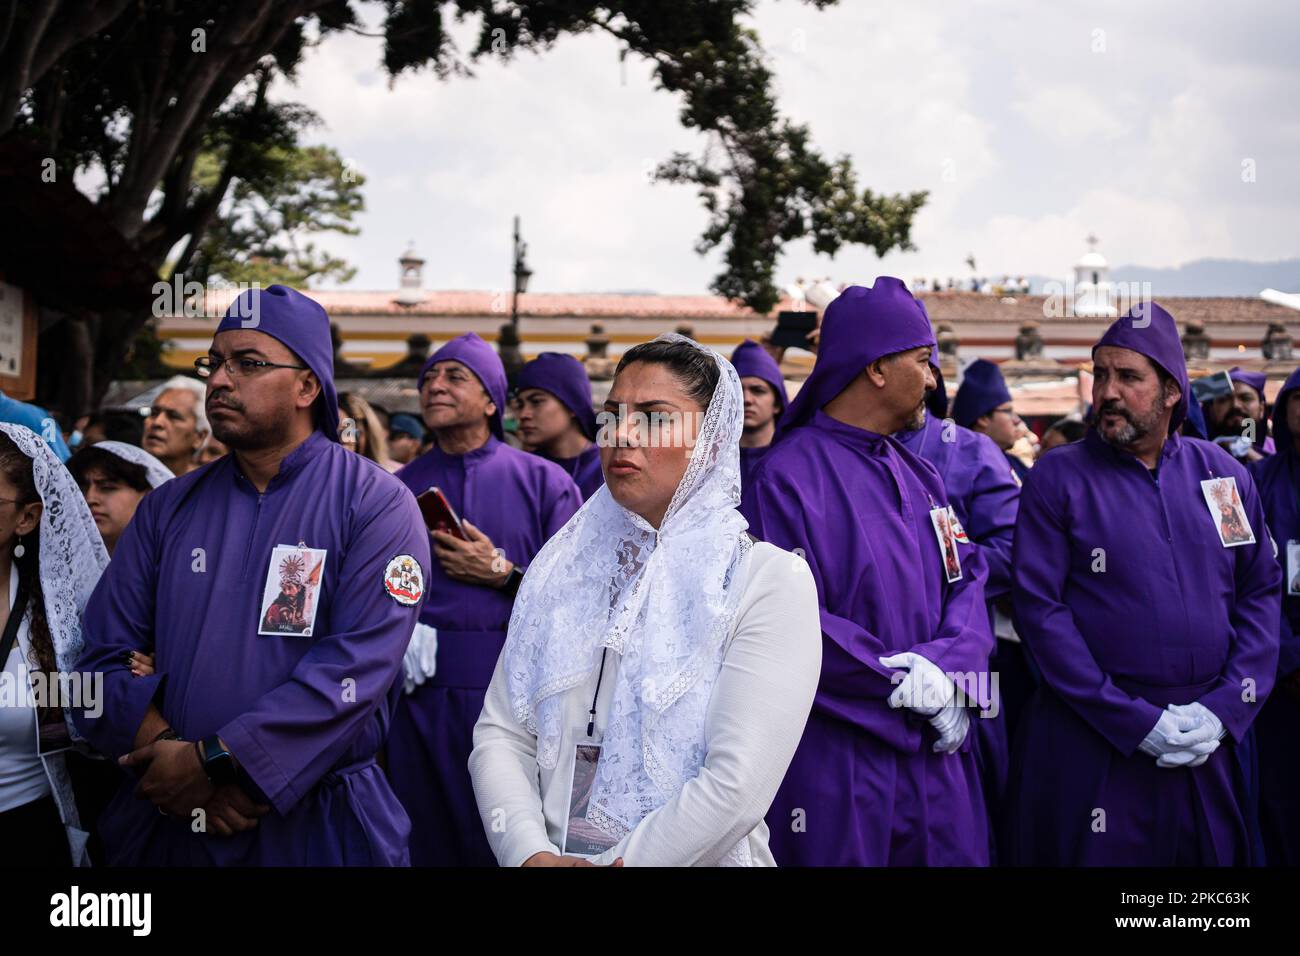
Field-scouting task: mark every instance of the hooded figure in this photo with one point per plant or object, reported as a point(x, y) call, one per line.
point(876, 781)
point(564, 377)
point(982, 389)
point(1257, 381)
point(303, 705)
point(518, 501)
point(1147, 627)
point(751, 360)
point(1278, 479)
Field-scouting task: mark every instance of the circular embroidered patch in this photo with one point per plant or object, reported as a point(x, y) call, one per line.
point(404, 581)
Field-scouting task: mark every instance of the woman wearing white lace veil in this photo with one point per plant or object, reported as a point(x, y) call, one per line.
point(660, 665)
point(52, 557)
point(114, 477)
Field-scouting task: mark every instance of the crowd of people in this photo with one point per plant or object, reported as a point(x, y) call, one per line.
point(707, 624)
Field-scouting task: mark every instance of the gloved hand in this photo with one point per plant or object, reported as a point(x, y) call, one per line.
point(1203, 714)
point(421, 657)
point(952, 723)
point(926, 689)
point(1179, 733)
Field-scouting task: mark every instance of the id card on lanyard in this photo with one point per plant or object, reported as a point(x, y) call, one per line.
point(581, 837)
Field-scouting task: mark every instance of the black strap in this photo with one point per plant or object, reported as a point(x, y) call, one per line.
point(15, 620)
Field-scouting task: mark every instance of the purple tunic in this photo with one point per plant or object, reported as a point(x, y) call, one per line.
point(865, 787)
point(305, 716)
point(518, 500)
point(584, 470)
point(1175, 617)
point(1278, 726)
point(979, 484)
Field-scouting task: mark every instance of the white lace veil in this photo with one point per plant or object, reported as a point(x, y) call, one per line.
point(155, 471)
point(664, 600)
point(72, 552)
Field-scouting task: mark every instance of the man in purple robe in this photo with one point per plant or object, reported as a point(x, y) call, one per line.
point(557, 419)
point(510, 503)
point(1155, 634)
point(1278, 726)
point(984, 492)
point(256, 745)
point(885, 773)
point(765, 399)
point(1237, 422)
point(983, 404)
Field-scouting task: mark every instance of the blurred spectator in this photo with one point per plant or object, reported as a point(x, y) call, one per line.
point(1063, 431)
point(177, 424)
point(405, 436)
point(360, 431)
point(37, 419)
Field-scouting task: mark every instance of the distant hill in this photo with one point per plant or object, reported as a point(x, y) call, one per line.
point(1208, 277)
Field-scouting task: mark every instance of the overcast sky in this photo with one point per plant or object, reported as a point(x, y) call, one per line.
point(1031, 125)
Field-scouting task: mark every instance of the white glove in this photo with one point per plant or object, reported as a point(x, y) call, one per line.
point(1179, 737)
point(1202, 713)
point(952, 723)
point(926, 689)
point(421, 657)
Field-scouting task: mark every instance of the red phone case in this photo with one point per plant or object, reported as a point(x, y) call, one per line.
point(439, 515)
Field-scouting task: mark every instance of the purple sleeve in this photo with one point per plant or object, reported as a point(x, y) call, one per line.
point(1047, 625)
point(1255, 614)
point(120, 617)
point(963, 641)
point(854, 685)
point(992, 520)
point(563, 498)
point(296, 732)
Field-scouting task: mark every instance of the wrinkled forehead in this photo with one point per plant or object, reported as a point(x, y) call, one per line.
point(446, 367)
point(1115, 358)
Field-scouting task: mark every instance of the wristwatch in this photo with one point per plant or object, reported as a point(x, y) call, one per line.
point(218, 762)
point(513, 579)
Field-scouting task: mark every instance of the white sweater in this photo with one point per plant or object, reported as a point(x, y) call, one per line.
point(756, 716)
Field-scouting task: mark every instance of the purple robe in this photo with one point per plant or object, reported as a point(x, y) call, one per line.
point(304, 716)
point(865, 787)
point(518, 500)
point(1278, 726)
point(749, 459)
point(584, 470)
point(979, 484)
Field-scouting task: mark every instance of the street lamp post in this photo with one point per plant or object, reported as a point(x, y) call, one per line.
point(522, 272)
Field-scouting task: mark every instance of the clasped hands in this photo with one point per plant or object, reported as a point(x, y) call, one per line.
point(174, 781)
point(1184, 736)
point(928, 691)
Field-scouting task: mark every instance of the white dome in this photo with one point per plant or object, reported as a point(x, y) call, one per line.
point(1092, 260)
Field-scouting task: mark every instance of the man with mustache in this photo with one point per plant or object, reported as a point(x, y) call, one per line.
point(510, 503)
point(1237, 421)
point(177, 426)
point(885, 773)
point(254, 745)
point(1156, 640)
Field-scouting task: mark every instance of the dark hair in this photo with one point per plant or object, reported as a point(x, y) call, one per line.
point(694, 368)
point(1071, 429)
point(17, 468)
point(120, 424)
point(90, 459)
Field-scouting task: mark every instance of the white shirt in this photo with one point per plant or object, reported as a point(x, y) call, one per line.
point(22, 774)
point(756, 717)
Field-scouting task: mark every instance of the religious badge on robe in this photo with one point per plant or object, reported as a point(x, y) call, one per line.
point(291, 595)
point(948, 531)
point(1224, 502)
point(1293, 568)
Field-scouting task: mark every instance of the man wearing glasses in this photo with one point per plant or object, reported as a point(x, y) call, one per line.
point(983, 404)
point(251, 744)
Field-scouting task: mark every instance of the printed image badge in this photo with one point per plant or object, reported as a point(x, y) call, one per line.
point(1293, 567)
point(582, 837)
point(404, 581)
point(943, 521)
point(1226, 510)
point(290, 597)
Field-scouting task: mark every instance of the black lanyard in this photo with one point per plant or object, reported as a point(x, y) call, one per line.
point(591, 724)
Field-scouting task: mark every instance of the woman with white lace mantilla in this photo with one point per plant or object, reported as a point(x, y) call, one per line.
point(660, 664)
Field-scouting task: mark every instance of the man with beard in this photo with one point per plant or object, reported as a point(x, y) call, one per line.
point(1157, 641)
point(1237, 421)
point(885, 773)
point(248, 746)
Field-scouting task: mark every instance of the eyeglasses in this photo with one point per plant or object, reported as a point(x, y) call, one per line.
point(237, 367)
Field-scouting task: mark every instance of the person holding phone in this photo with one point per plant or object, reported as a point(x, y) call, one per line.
point(660, 664)
point(508, 503)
